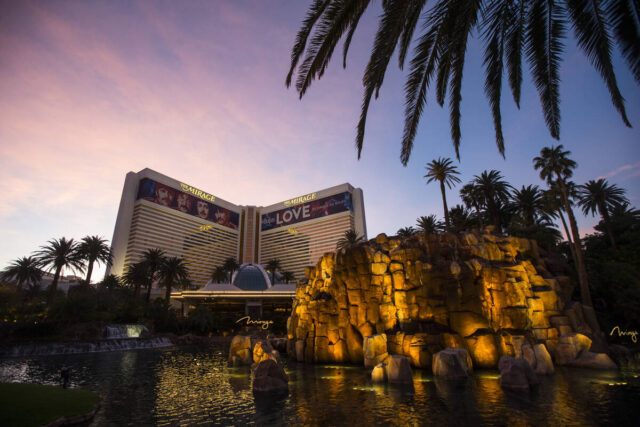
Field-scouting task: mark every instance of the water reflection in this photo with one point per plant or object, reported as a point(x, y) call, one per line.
point(194, 385)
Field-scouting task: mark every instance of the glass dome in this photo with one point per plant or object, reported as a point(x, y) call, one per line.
point(251, 277)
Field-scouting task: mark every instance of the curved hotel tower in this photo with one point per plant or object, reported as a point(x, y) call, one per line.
point(160, 212)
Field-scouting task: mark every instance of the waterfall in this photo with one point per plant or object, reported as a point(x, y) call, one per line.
point(123, 331)
point(96, 346)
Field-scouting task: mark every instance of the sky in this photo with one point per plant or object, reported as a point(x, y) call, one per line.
point(196, 91)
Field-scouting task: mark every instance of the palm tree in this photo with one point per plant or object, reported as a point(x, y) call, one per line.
point(406, 232)
point(600, 197)
point(94, 249)
point(461, 219)
point(272, 267)
point(136, 277)
point(473, 198)
point(110, 282)
point(25, 270)
point(349, 239)
point(153, 259)
point(428, 224)
point(509, 28)
point(556, 167)
point(445, 172)
point(287, 276)
point(553, 205)
point(219, 274)
point(230, 265)
point(495, 191)
point(58, 254)
point(172, 271)
point(528, 203)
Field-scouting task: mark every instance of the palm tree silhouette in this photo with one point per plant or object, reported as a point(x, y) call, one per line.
point(600, 197)
point(136, 276)
point(443, 171)
point(473, 198)
point(287, 276)
point(528, 203)
point(406, 232)
point(173, 271)
point(461, 219)
point(272, 267)
point(555, 166)
point(428, 224)
point(25, 270)
point(57, 255)
point(495, 191)
point(553, 205)
point(219, 274)
point(230, 265)
point(510, 30)
point(349, 239)
point(153, 260)
point(110, 282)
point(94, 249)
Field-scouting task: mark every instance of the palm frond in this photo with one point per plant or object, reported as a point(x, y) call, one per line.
point(624, 16)
point(413, 13)
point(515, 36)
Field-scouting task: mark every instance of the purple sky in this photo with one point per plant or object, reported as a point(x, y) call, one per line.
point(195, 90)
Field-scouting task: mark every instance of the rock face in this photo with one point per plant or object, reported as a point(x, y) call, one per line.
point(240, 351)
point(516, 374)
point(262, 350)
point(452, 364)
point(270, 377)
point(399, 370)
point(491, 295)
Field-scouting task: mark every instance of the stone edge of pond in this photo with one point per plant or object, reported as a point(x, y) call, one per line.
point(76, 419)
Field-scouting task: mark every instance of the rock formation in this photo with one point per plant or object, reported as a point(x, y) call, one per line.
point(270, 377)
point(452, 364)
point(488, 294)
point(516, 374)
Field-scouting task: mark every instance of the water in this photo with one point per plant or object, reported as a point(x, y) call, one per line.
point(193, 385)
point(123, 331)
point(74, 347)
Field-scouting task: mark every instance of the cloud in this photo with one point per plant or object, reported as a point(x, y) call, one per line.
point(634, 168)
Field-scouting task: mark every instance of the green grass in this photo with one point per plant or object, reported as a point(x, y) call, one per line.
point(35, 405)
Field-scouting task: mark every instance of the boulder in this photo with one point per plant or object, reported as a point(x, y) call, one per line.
point(399, 370)
point(452, 363)
point(262, 350)
point(483, 349)
point(379, 373)
point(516, 374)
point(590, 360)
point(240, 351)
point(569, 347)
point(269, 376)
point(544, 365)
point(375, 350)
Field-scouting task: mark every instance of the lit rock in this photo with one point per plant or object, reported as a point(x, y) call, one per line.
point(270, 377)
point(375, 350)
point(569, 347)
point(516, 374)
point(240, 351)
point(379, 373)
point(483, 349)
point(452, 363)
point(399, 370)
point(544, 365)
point(588, 359)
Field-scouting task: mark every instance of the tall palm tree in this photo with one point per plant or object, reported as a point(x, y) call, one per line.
point(553, 205)
point(94, 249)
point(443, 171)
point(219, 274)
point(153, 260)
point(473, 198)
point(136, 276)
point(25, 270)
point(57, 255)
point(272, 267)
point(287, 276)
point(428, 224)
point(510, 30)
point(173, 271)
point(230, 265)
point(528, 203)
point(495, 192)
point(406, 232)
point(349, 239)
point(555, 166)
point(600, 197)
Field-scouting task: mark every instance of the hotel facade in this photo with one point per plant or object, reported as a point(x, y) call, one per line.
point(157, 211)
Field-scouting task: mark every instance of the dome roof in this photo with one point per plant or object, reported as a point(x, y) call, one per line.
point(251, 277)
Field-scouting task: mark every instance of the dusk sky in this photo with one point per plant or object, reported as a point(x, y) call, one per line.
point(195, 90)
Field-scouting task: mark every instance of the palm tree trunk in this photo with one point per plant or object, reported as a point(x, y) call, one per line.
point(149, 284)
point(493, 211)
point(585, 293)
point(53, 288)
point(137, 290)
point(566, 232)
point(167, 295)
point(607, 223)
point(89, 272)
point(446, 210)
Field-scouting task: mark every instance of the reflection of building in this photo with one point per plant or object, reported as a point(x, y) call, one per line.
point(160, 212)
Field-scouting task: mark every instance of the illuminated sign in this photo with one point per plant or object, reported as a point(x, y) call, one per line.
point(306, 211)
point(292, 231)
point(621, 333)
point(264, 324)
point(206, 227)
point(198, 193)
point(301, 199)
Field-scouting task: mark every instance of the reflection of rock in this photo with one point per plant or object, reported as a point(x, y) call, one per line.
point(240, 351)
point(399, 371)
point(516, 374)
point(452, 363)
point(490, 294)
point(269, 376)
point(591, 360)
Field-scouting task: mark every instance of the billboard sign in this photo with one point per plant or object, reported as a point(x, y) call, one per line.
point(164, 195)
point(306, 211)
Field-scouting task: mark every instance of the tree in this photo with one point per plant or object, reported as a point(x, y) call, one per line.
point(428, 224)
point(473, 198)
point(94, 249)
point(495, 192)
point(57, 255)
point(110, 282)
point(443, 171)
point(600, 197)
point(406, 232)
point(136, 277)
point(173, 271)
point(528, 203)
point(349, 239)
point(287, 276)
point(272, 267)
point(553, 205)
point(461, 219)
point(25, 271)
point(509, 28)
point(555, 166)
point(153, 260)
point(219, 274)
point(230, 265)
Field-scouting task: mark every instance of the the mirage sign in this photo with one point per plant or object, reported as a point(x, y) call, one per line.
point(306, 211)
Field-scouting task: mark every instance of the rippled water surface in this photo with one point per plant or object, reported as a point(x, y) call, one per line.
point(194, 385)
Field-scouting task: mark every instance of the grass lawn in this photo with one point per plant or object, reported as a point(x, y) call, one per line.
point(35, 405)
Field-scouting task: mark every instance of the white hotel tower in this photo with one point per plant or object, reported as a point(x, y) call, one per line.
point(160, 212)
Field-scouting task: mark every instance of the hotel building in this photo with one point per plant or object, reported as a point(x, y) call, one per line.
point(157, 211)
